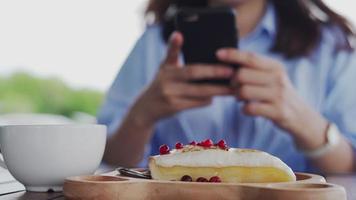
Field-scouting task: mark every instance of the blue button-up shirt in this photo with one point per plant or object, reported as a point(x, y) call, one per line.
point(325, 80)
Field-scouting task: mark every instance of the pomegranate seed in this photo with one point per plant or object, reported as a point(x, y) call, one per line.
point(222, 144)
point(215, 179)
point(193, 143)
point(179, 145)
point(202, 179)
point(163, 149)
point(207, 143)
point(186, 178)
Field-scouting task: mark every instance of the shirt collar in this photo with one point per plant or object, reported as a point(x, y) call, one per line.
point(267, 25)
point(268, 22)
point(265, 28)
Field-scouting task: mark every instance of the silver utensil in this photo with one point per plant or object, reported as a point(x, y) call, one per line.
point(134, 173)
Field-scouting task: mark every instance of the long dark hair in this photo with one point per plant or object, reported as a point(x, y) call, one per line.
point(298, 30)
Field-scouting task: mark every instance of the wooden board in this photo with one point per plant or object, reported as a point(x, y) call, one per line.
point(113, 186)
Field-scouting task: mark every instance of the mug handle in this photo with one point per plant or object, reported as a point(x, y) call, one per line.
point(2, 162)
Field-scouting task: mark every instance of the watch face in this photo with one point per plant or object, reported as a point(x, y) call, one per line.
point(333, 135)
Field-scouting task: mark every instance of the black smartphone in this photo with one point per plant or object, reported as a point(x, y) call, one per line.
point(206, 30)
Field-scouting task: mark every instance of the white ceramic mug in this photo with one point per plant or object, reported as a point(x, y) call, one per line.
point(42, 156)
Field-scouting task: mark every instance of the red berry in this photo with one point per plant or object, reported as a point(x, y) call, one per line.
point(202, 179)
point(193, 143)
point(179, 145)
point(163, 149)
point(215, 179)
point(222, 144)
point(207, 143)
point(186, 178)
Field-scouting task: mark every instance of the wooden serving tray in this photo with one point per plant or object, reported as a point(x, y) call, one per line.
point(112, 186)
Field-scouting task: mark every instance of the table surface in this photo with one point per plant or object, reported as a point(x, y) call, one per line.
point(347, 180)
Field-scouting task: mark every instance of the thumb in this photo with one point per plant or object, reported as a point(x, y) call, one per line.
point(174, 46)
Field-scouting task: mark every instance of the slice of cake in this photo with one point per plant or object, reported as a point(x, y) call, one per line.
point(208, 162)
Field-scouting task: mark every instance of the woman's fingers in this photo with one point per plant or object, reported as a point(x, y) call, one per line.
point(247, 59)
point(174, 46)
point(184, 103)
point(260, 109)
point(202, 72)
point(196, 91)
point(192, 90)
point(252, 76)
point(256, 93)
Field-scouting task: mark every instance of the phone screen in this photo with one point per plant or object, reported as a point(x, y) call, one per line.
point(205, 31)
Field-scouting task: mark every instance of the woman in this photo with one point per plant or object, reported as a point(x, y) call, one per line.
point(295, 96)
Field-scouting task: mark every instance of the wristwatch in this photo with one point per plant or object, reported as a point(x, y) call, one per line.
point(332, 137)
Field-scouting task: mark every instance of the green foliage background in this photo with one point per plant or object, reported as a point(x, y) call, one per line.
point(25, 93)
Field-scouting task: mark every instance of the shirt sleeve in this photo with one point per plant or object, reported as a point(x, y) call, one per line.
point(125, 88)
point(134, 76)
point(340, 101)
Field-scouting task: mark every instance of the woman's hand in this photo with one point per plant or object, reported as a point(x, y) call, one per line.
point(265, 87)
point(172, 90)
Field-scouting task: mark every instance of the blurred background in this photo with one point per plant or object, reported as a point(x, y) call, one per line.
point(58, 57)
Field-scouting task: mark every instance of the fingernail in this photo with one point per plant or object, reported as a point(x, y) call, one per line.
point(221, 53)
point(228, 72)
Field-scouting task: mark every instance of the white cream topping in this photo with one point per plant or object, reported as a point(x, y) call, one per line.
point(221, 158)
